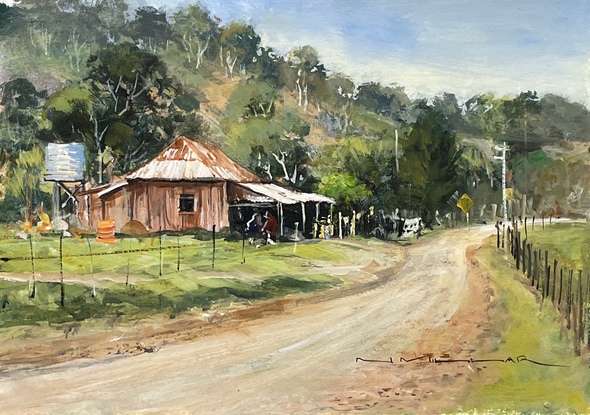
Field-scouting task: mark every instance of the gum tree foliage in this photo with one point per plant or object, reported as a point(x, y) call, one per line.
point(240, 45)
point(10, 18)
point(23, 182)
point(125, 112)
point(448, 105)
point(309, 75)
point(349, 172)
point(149, 29)
point(345, 188)
point(521, 113)
point(196, 32)
point(266, 137)
point(110, 17)
point(20, 117)
point(54, 39)
point(21, 158)
point(388, 101)
point(485, 115)
point(268, 67)
point(343, 93)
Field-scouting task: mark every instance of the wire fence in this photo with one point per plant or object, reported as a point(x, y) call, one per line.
point(565, 289)
point(66, 254)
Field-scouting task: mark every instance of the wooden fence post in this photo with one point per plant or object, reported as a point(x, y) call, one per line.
point(497, 234)
point(547, 275)
point(508, 240)
point(539, 273)
point(178, 257)
point(560, 288)
point(516, 251)
point(61, 270)
point(554, 281)
point(536, 269)
point(524, 257)
point(34, 288)
point(575, 323)
point(213, 257)
point(244, 245)
point(568, 305)
point(529, 269)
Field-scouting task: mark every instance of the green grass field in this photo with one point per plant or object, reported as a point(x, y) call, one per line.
point(188, 279)
point(568, 242)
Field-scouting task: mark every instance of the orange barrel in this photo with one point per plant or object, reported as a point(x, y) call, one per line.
point(106, 231)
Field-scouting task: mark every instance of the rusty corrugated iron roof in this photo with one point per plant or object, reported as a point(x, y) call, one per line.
point(190, 160)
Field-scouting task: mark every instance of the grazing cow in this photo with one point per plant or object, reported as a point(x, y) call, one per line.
point(412, 226)
point(389, 225)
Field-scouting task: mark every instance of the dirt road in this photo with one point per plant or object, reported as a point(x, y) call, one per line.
point(294, 362)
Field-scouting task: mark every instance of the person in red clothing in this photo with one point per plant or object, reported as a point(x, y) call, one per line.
point(270, 227)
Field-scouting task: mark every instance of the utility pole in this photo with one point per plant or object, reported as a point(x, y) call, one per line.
point(503, 149)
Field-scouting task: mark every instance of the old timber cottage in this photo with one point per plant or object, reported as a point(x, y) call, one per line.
point(189, 185)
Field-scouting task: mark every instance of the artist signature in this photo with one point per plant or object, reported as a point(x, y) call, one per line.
point(446, 358)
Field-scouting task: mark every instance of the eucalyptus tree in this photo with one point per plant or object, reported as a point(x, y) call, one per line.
point(150, 29)
point(310, 74)
point(126, 90)
point(196, 31)
point(21, 156)
point(239, 44)
point(343, 93)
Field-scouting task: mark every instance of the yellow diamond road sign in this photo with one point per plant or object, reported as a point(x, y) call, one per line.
point(465, 203)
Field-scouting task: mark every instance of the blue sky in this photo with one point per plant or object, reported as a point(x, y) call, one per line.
point(431, 46)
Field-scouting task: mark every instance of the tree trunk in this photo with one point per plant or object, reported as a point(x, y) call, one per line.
point(299, 91)
point(230, 65)
point(201, 49)
point(188, 47)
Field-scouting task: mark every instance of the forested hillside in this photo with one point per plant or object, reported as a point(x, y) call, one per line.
point(126, 82)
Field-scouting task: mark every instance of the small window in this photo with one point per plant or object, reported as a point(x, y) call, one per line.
point(187, 203)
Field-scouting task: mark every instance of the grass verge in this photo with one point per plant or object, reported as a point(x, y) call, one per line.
point(525, 329)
